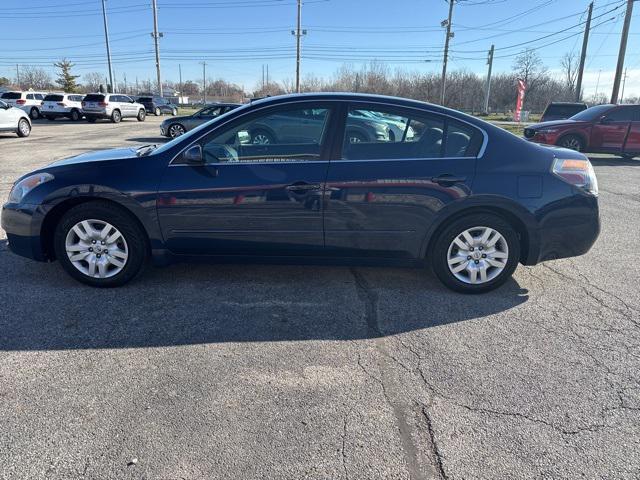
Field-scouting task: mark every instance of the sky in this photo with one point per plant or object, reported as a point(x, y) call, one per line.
point(236, 38)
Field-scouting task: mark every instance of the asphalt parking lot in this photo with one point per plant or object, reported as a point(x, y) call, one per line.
point(243, 372)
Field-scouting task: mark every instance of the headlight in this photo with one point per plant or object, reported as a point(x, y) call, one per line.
point(27, 184)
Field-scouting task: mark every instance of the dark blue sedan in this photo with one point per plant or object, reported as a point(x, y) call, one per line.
point(410, 183)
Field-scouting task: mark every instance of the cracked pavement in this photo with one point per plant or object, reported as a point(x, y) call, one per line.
point(254, 371)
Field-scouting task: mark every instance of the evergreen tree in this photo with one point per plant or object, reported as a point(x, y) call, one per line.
point(65, 79)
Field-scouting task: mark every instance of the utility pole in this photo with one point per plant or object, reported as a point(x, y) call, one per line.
point(621, 53)
point(446, 51)
point(267, 74)
point(583, 55)
point(263, 77)
point(155, 36)
point(595, 96)
point(106, 39)
point(204, 82)
point(488, 86)
point(18, 75)
point(180, 94)
point(624, 81)
point(298, 34)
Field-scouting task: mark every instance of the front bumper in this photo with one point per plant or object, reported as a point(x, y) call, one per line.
point(22, 224)
point(544, 138)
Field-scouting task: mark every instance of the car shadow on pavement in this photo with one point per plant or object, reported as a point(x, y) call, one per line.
point(158, 139)
point(187, 304)
point(614, 162)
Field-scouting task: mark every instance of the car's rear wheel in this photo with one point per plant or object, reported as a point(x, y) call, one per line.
point(142, 114)
point(34, 113)
point(476, 253)
point(75, 115)
point(176, 130)
point(116, 116)
point(157, 112)
point(24, 128)
point(100, 244)
point(573, 142)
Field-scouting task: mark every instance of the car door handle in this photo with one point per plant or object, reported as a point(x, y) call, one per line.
point(302, 187)
point(448, 180)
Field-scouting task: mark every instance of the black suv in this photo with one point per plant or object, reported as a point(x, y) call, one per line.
point(158, 105)
point(562, 110)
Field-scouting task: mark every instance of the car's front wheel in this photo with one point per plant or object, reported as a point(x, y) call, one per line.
point(116, 116)
point(24, 128)
point(34, 113)
point(142, 114)
point(176, 130)
point(476, 253)
point(157, 112)
point(572, 142)
point(100, 244)
point(75, 115)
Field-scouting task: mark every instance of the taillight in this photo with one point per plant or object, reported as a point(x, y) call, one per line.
point(103, 104)
point(21, 102)
point(577, 172)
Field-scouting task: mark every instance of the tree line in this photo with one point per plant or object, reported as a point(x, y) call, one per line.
point(465, 90)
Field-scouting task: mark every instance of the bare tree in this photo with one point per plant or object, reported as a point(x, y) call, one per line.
point(528, 66)
point(570, 65)
point(92, 81)
point(35, 78)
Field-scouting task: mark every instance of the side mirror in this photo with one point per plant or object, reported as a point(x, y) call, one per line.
point(193, 155)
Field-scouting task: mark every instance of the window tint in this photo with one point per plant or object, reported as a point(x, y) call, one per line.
point(39, 96)
point(53, 98)
point(622, 114)
point(144, 99)
point(93, 97)
point(210, 112)
point(563, 110)
point(11, 95)
point(285, 135)
point(636, 113)
point(378, 134)
point(29, 96)
point(75, 98)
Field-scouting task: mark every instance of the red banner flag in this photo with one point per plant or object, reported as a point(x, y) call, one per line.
point(522, 87)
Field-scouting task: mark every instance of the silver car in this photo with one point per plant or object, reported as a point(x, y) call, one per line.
point(176, 126)
point(113, 106)
point(14, 120)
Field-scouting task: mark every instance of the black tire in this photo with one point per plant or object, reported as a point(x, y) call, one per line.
point(133, 234)
point(142, 114)
point(34, 113)
point(175, 130)
point(24, 128)
point(116, 116)
point(157, 112)
point(75, 115)
point(440, 250)
point(572, 142)
point(50, 118)
point(356, 137)
point(262, 137)
point(91, 119)
point(174, 112)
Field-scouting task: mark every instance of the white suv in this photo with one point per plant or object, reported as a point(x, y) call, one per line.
point(30, 102)
point(62, 105)
point(113, 106)
point(14, 120)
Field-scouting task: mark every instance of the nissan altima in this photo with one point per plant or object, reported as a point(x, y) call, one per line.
point(446, 190)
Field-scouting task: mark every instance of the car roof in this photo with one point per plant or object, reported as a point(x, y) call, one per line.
point(569, 103)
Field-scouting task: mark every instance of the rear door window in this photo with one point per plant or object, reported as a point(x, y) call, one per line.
point(621, 114)
point(53, 98)
point(29, 96)
point(378, 133)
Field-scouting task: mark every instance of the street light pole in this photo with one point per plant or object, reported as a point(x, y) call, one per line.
point(446, 53)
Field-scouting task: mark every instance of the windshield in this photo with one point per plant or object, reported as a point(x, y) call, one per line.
point(591, 113)
point(94, 97)
point(196, 131)
point(53, 98)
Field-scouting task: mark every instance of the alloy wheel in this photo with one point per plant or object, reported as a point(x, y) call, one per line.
point(261, 139)
point(24, 127)
point(478, 255)
point(96, 248)
point(572, 142)
point(176, 130)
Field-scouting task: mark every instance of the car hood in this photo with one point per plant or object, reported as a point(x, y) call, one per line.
point(98, 156)
point(558, 123)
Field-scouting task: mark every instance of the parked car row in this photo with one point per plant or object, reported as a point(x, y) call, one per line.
point(55, 105)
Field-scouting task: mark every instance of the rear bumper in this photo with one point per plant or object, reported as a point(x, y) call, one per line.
point(567, 230)
point(96, 113)
point(22, 224)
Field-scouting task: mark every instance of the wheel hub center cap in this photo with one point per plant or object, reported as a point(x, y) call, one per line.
point(476, 255)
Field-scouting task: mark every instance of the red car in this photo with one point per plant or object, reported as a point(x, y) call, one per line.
point(600, 129)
